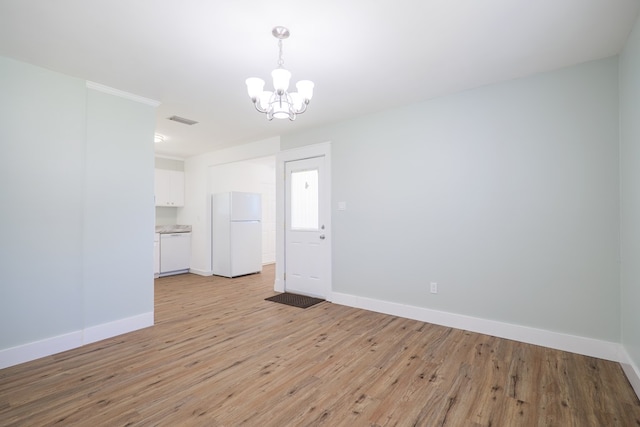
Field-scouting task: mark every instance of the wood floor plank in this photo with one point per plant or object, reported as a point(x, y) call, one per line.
point(219, 355)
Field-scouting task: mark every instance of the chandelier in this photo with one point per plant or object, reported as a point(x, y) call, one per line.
point(280, 103)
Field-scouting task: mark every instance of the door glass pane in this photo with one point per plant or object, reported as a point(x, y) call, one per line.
point(304, 200)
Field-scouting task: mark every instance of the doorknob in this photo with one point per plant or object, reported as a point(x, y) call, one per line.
point(322, 237)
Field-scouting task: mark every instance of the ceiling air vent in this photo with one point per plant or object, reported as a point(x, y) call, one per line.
point(182, 120)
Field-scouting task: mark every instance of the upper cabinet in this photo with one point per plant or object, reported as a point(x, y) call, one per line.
point(169, 188)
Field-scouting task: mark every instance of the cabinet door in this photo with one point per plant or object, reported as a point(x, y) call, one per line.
point(162, 184)
point(176, 188)
point(169, 188)
point(175, 252)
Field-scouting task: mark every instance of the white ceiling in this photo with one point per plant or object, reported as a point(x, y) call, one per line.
point(364, 56)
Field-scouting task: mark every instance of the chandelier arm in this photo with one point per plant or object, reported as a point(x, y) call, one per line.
point(260, 109)
point(303, 108)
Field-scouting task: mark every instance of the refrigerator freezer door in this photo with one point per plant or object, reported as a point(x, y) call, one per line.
point(245, 206)
point(246, 248)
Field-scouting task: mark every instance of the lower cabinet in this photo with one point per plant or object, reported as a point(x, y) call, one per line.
point(175, 253)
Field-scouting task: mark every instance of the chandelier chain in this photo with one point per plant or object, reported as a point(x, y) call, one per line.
point(280, 60)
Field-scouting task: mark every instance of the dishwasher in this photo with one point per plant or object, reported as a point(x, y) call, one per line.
point(175, 253)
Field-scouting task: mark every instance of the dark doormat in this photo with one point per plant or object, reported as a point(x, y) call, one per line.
point(295, 300)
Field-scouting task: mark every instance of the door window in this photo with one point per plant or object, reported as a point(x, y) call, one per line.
point(304, 200)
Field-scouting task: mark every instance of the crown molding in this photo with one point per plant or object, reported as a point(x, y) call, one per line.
point(165, 156)
point(106, 89)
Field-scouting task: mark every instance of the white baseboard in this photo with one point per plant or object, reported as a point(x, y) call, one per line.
point(572, 343)
point(201, 272)
point(117, 327)
point(631, 370)
point(37, 349)
point(575, 344)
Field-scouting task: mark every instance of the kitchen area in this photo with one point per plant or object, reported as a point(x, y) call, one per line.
point(172, 241)
point(238, 219)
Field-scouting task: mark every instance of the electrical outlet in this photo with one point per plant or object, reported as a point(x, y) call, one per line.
point(434, 288)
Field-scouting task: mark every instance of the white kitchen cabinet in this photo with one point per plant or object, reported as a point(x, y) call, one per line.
point(175, 253)
point(169, 188)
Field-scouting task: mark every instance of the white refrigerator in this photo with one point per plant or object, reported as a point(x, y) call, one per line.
point(236, 241)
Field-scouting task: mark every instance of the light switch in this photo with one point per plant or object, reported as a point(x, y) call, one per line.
point(342, 206)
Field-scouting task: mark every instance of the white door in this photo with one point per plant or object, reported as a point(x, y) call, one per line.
point(307, 243)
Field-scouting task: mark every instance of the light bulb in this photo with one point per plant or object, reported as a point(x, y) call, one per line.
point(255, 86)
point(305, 89)
point(281, 79)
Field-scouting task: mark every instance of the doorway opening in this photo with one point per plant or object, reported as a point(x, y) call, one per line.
point(250, 176)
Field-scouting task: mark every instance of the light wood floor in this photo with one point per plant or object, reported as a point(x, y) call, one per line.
point(219, 355)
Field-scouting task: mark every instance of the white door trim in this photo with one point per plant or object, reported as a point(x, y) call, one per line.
point(315, 150)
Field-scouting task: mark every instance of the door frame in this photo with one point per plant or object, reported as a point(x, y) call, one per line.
point(306, 152)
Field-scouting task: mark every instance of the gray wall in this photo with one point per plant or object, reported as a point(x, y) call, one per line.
point(630, 194)
point(119, 209)
point(42, 116)
point(77, 205)
point(507, 196)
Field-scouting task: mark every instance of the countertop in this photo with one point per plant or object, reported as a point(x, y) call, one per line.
point(166, 229)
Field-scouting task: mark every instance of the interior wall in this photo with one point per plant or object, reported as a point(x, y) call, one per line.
point(119, 209)
point(506, 196)
point(42, 116)
point(166, 215)
point(77, 221)
point(630, 196)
